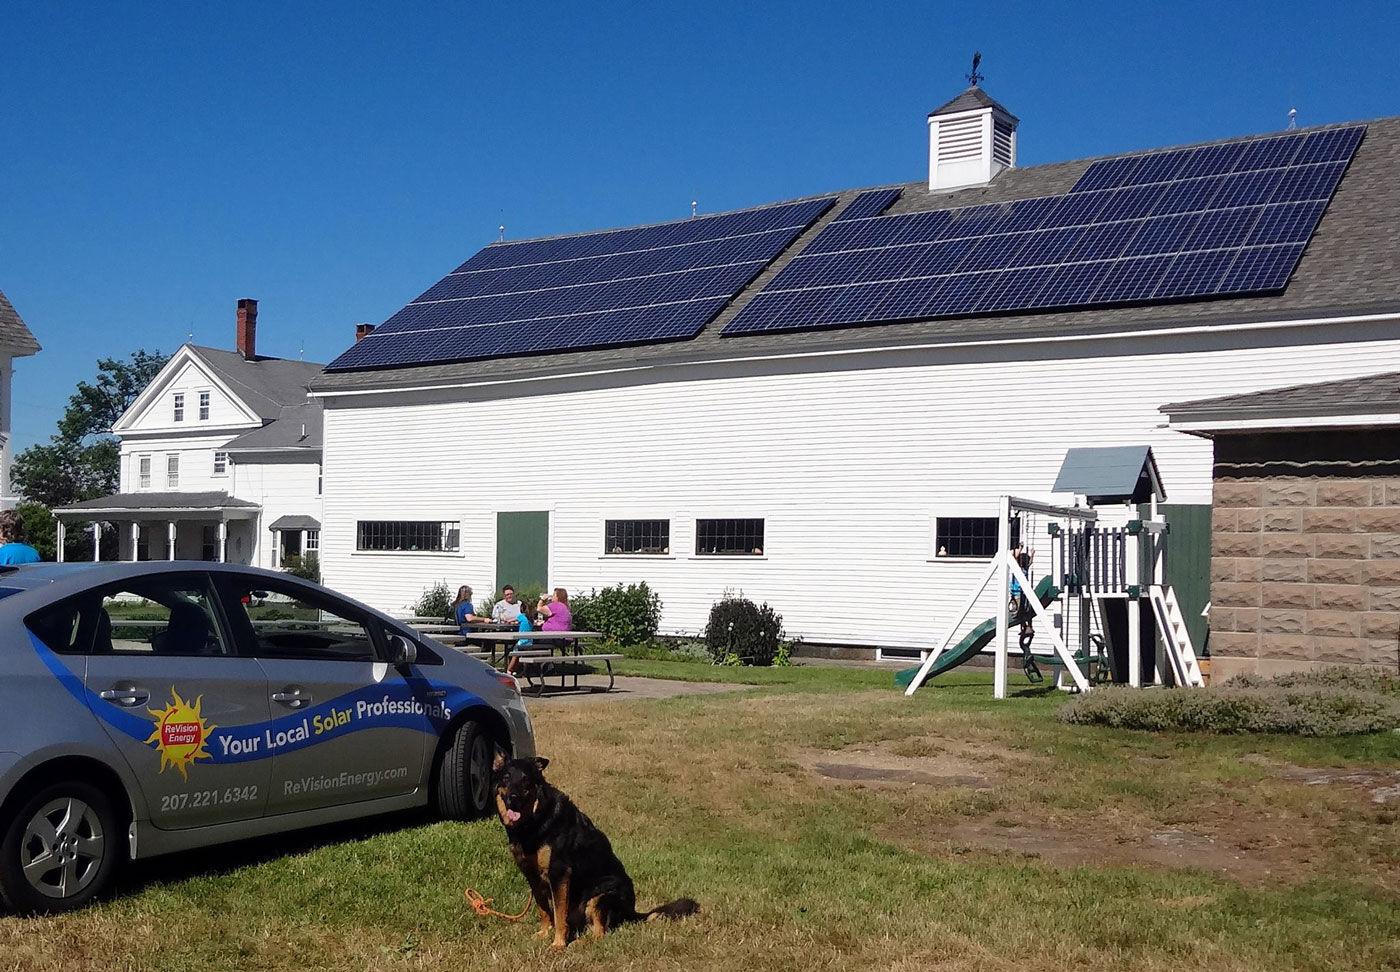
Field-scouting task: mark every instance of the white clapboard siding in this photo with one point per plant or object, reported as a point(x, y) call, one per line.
point(189, 379)
point(280, 488)
point(196, 463)
point(848, 468)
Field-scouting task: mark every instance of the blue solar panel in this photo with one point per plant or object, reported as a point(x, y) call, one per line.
point(868, 204)
point(651, 283)
point(1218, 220)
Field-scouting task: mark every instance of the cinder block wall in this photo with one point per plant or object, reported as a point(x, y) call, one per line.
point(1305, 553)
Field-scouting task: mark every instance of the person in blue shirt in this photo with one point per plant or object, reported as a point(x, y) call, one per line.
point(463, 613)
point(13, 549)
point(523, 623)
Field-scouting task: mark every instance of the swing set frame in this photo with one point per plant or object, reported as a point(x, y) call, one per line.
point(1002, 569)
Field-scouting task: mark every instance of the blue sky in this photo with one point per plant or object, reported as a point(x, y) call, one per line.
point(159, 161)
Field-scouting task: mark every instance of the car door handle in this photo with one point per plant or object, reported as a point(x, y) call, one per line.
point(293, 697)
point(126, 695)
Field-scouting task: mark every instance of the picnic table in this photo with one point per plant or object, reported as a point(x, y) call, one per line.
point(561, 656)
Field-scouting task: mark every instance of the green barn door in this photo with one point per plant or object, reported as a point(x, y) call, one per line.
point(1188, 563)
point(522, 550)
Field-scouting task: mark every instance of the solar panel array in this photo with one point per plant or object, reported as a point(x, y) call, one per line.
point(618, 287)
point(1217, 220)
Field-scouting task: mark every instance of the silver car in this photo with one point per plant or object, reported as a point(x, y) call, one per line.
point(147, 708)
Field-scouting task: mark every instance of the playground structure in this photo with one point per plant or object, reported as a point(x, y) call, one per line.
point(1103, 585)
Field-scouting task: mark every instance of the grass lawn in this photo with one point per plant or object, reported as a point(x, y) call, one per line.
point(826, 822)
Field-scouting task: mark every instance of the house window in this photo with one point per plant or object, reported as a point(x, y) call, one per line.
point(220, 463)
point(313, 541)
point(204, 406)
point(289, 546)
point(179, 412)
point(143, 472)
point(172, 470)
point(970, 536)
point(318, 479)
point(438, 536)
point(637, 537)
point(729, 537)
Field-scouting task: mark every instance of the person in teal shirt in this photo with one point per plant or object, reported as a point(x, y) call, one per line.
point(13, 549)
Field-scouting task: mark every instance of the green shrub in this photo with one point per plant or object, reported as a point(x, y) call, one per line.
point(1331, 676)
point(305, 566)
point(751, 633)
point(626, 615)
point(434, 602)
point(1301, 710)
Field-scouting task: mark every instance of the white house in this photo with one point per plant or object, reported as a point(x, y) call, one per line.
point(15, 342)
point(846, 473)
point(220, 459)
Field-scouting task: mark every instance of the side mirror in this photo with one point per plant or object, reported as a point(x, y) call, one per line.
point(402, 651)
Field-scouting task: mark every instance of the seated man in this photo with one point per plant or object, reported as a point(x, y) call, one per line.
point(507, 609)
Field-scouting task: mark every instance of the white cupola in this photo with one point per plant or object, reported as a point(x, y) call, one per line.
point(970, 140)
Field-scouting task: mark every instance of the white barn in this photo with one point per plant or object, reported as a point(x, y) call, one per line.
point(836, 473)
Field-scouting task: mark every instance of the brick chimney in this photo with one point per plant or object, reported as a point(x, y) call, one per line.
point(246, 336)
point(362, 331)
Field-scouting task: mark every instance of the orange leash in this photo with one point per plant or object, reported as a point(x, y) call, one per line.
point(482, 906)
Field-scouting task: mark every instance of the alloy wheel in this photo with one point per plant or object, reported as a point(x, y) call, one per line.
point(62, 848)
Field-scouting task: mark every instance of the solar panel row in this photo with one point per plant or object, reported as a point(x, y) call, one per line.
point(654, 283)
point(1045, 287)
point(1271, 152)
point(1220, 220)
point(529, 252)
point(867, 204)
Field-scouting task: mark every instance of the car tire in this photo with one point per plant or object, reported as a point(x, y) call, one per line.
point(464, 787)
point(71, 824)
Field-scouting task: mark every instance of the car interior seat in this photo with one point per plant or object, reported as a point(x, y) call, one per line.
point(186, 633)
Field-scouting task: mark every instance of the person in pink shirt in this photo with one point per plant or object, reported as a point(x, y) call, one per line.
point(556, 613)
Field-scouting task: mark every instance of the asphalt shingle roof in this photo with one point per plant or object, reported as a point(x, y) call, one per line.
point(970, 100)
point(135, 502)
point(1373, 393)
point(15, 335)
point(276, 389)
point(1351, 266)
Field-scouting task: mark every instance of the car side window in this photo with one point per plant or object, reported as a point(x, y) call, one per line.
point(61, 627)
point(159, 615)
point(288, 621)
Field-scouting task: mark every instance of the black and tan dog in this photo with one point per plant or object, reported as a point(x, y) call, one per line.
point(576, 879)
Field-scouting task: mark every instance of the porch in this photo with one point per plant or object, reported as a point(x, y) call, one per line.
point(167, 526)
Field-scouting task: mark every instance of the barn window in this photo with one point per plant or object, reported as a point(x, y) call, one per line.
point(970, 536)
point(435, 536)
point(729, 537)
point(637, 537)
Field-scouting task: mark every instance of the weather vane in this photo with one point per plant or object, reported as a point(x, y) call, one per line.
point(974, 77)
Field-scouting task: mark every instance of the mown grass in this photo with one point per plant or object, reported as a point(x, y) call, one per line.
point(711, 796)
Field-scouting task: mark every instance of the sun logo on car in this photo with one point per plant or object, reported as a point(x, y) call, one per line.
point(180, 733)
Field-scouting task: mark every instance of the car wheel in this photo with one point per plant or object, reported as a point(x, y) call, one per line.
point(464, 775)
point(60, 850)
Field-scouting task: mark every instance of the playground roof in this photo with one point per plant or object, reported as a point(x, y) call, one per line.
point(1350, 267)
point(1111, 474)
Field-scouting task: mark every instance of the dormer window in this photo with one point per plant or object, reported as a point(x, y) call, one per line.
point(204, 406)
point(178, 413)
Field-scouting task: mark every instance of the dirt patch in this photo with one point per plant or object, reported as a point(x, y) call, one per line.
point(921, 761)
point(1248, 858)
point(1381, 787)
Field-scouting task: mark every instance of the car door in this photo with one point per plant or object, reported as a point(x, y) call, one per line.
point(347, 726)
point(182, 706)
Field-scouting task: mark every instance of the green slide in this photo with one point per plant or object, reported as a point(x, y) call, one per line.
point(974, 641)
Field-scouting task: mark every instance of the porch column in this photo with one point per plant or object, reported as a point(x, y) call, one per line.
point(170, 539)
point(59, 537)
point(96, 541)
point(135, 539)
point(223, 541)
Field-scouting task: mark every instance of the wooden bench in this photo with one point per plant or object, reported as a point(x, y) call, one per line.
point(563, 667)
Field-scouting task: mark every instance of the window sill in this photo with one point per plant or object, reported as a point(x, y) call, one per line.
point(636, 556)
point(961, 560)
point(727, 557)
point(454, 554)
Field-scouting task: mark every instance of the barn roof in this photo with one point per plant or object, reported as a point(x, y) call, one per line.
point(1350, 267)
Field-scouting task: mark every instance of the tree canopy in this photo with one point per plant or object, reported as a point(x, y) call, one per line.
point(81, 460)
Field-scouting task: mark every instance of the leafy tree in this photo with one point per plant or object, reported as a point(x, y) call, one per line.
point(81, 460)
